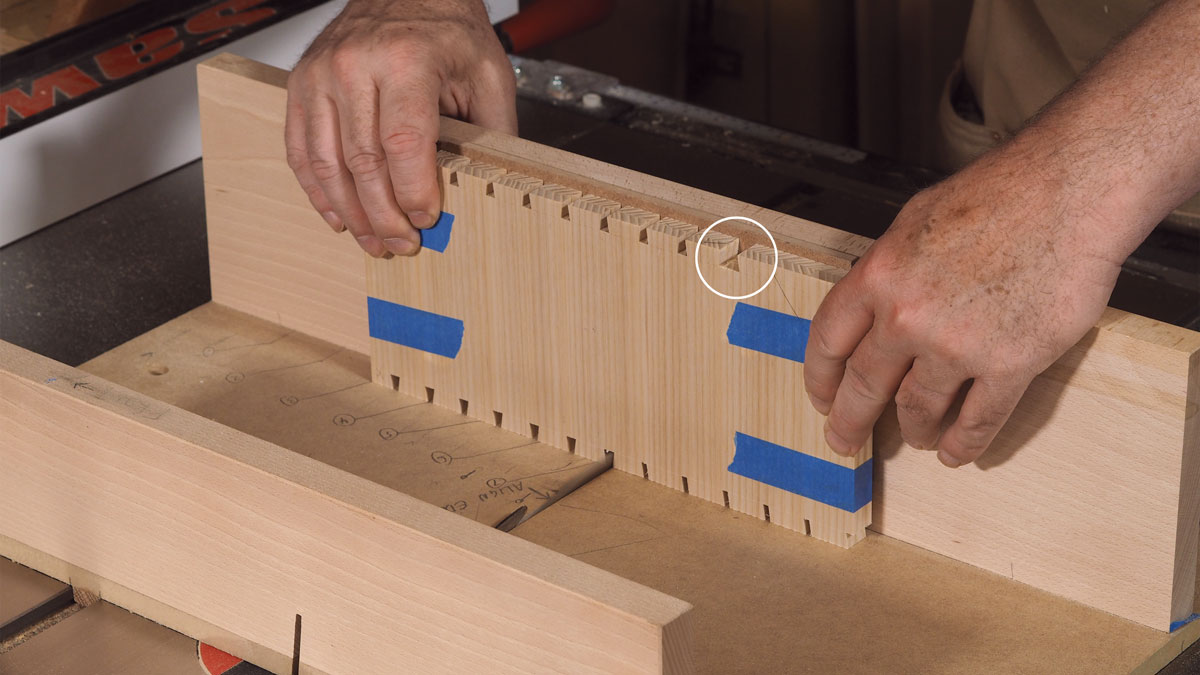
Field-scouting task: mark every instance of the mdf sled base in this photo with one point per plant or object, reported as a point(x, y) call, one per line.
point(764, 598)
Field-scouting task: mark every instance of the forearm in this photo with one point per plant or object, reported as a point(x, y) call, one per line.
point(1121, 147)
point(988, 277)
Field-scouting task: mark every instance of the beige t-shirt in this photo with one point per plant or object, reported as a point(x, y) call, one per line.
point(1018, 55)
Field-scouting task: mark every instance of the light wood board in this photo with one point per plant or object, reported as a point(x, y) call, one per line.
point(243, 535)
point(585, 325)
point(1092, 491)
point(152, 608)
point(765, 599)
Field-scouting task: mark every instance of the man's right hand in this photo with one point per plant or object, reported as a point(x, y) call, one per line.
point(363, 105)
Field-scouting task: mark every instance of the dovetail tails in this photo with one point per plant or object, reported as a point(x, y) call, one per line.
point(717, 248)
point(515, 187)
point(669, 235)
point(456, 169)
point(592, 212)
point(449, 165)
point(791, 262)
point(451, 161)
point(601, 239)
point(630, 224)
point(627, 222)
point(556, 199)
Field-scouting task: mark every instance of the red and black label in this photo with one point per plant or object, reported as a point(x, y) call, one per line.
point(66, 70)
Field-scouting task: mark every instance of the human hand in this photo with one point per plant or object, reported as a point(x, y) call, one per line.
point(984, 279)
point(363, 105)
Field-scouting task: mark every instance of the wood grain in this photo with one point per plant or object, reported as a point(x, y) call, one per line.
point(243, 534)
point(1091, 491)
point(587, 327)
point(270, 254)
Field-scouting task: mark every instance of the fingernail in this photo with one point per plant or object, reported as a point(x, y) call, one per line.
point(837, 443)
point(420, 219)
point(399, 245)
point(333, 220)
point(948, 459)
point(370, 244)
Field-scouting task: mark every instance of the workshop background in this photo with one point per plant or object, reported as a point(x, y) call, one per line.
point(829, 114)
point(862, 73)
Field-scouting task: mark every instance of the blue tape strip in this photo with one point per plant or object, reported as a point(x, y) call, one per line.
point(805, 475)
point(437, 238)
point(768, 331)
point(414, 328)
point(1176, 625)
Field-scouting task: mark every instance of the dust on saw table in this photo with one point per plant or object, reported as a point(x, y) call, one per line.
point(317, 399)
point(765, 599)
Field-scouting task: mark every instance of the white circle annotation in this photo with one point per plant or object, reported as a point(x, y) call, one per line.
point(775, 258)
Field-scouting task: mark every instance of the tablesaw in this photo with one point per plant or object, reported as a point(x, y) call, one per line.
point(339, 441)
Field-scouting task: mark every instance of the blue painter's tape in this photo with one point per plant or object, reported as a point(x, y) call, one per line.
point(818, 479)
point(768, 331)
point(437, 238)
point(414, 328)
point(1176, 625)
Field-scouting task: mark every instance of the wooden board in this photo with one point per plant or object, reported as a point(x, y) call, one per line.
point(243, 535)
point(587, 327)
point(1092, 492)
point(764, 598)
